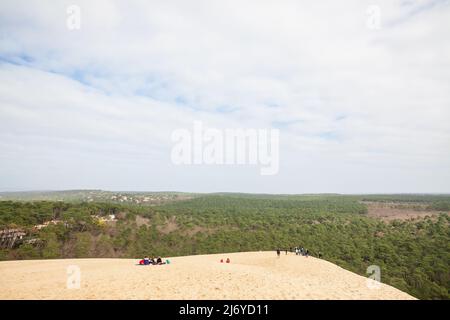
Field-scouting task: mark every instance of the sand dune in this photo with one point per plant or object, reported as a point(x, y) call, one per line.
point(250, 275)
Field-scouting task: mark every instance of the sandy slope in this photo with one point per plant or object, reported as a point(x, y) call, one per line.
point(250, 275)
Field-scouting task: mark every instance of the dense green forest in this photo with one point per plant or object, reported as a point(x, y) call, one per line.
point(414, 255)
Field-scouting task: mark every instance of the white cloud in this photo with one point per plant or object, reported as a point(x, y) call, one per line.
point(359, 110)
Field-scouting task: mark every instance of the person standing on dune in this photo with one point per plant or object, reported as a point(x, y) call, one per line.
point(278, 252)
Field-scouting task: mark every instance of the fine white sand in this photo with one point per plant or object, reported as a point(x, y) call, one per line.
point(250, 275)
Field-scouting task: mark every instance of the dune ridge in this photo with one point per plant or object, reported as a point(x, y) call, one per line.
point(250, 275)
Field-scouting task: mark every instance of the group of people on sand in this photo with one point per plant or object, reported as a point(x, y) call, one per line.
point(298, 251)
point(152, 261)
point(301, 251)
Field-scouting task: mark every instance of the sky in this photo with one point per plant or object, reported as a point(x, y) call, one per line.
point(359, 91)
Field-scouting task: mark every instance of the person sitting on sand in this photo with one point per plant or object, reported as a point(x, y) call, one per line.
point(159, 261)
point(146, 260)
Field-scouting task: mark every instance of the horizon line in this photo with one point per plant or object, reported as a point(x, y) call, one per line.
point(224, 192)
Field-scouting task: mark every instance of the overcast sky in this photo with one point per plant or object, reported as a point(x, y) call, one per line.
point(362, 105)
